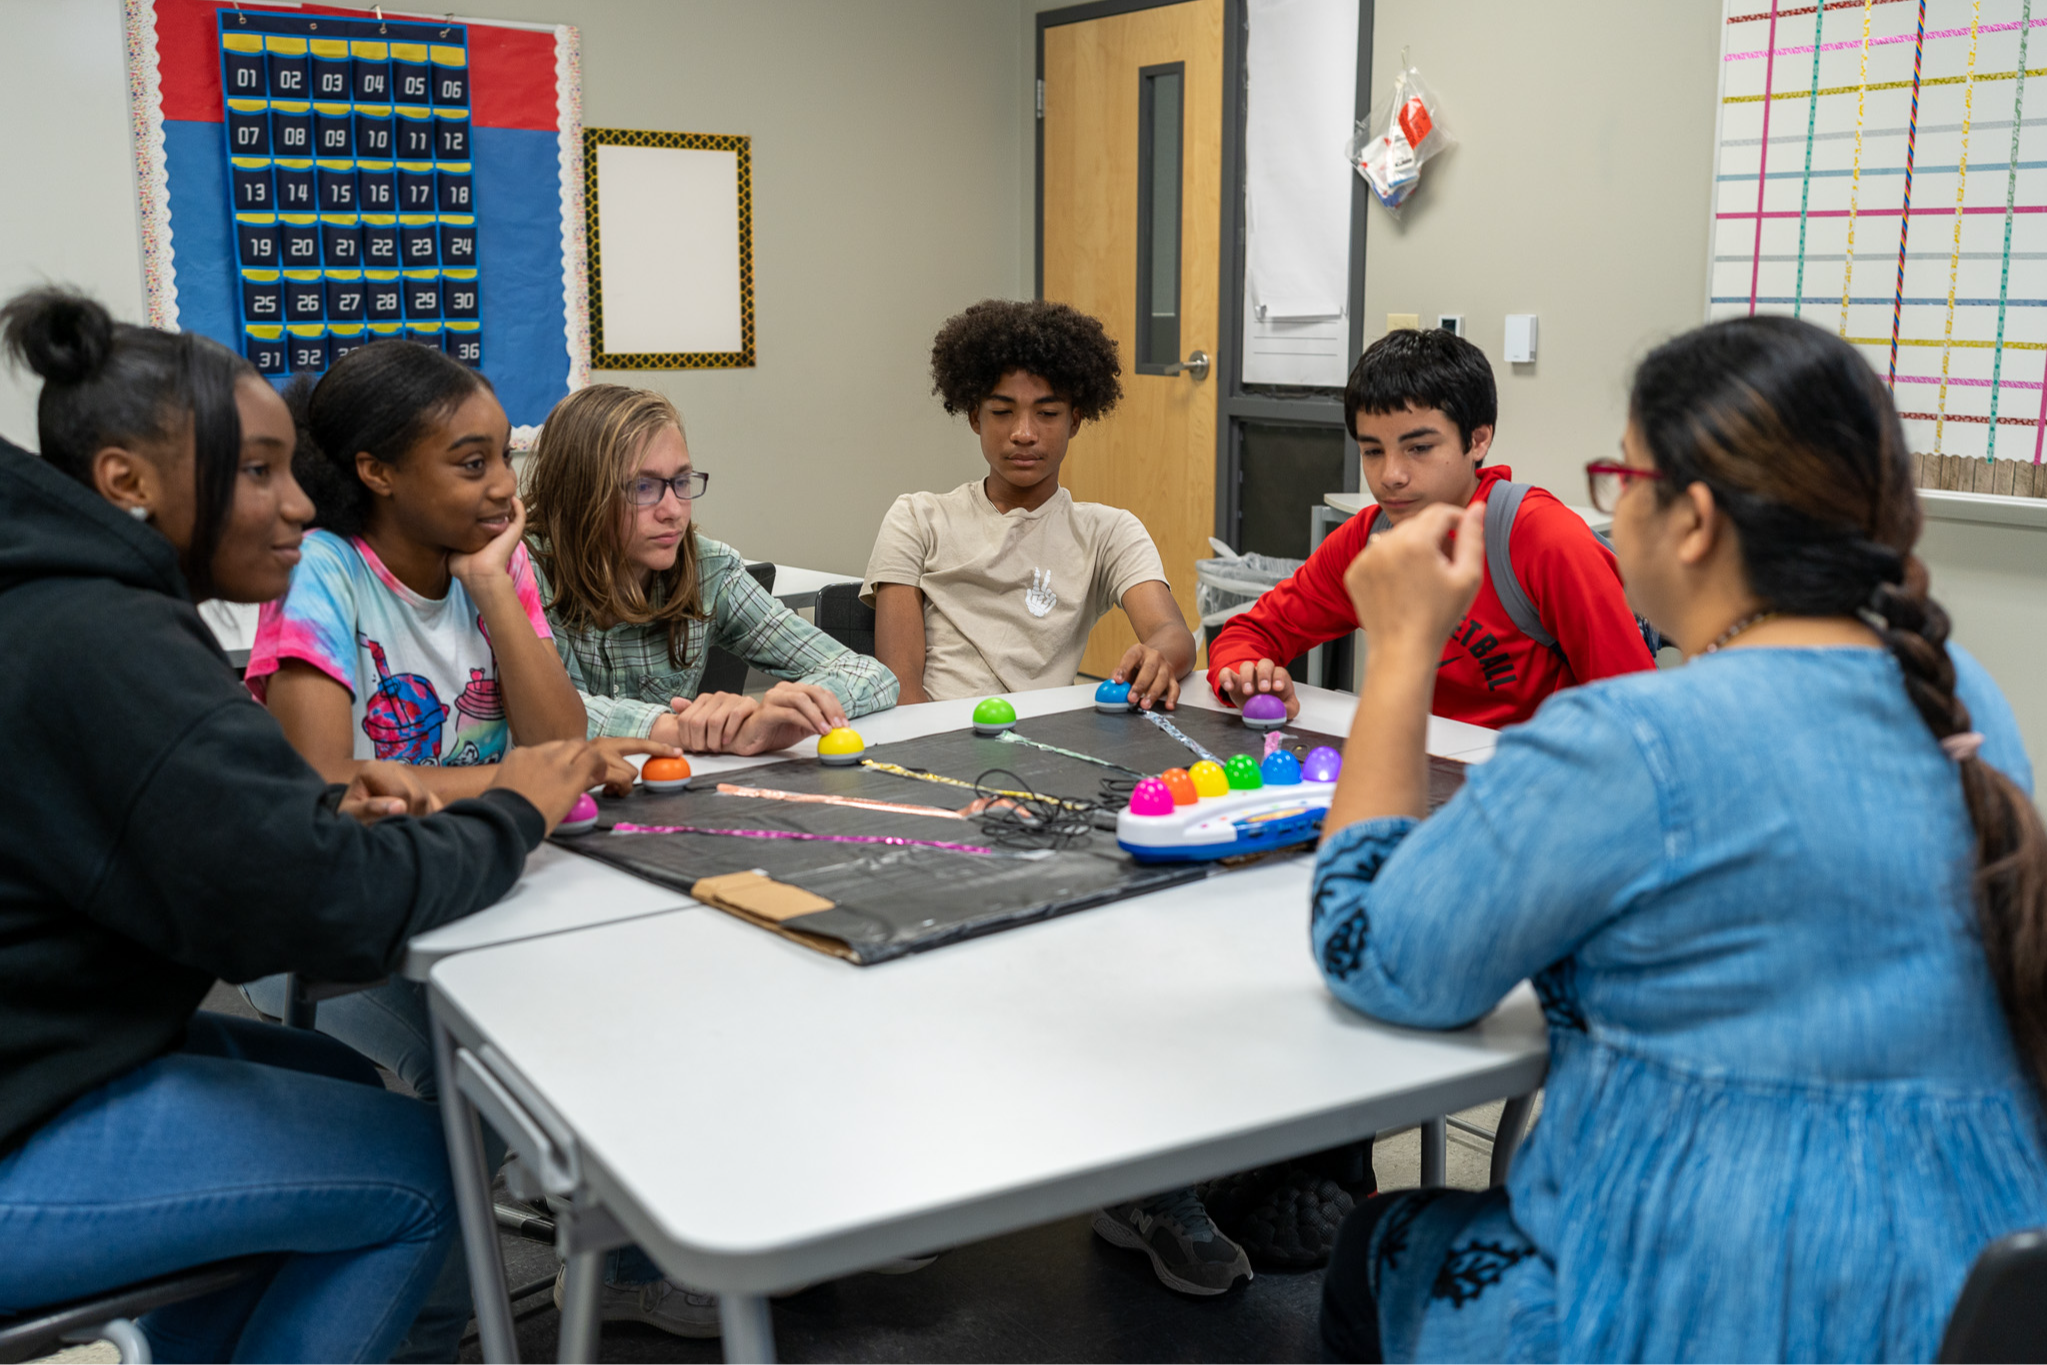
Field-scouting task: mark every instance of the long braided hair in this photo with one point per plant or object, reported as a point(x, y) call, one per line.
point(1801, 447)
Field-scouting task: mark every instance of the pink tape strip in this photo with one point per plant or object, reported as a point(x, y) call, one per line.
point(1878, 42)
point(625, 828)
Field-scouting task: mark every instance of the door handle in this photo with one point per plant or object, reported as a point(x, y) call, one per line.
point(1196, 365)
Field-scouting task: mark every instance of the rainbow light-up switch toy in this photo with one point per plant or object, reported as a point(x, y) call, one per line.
point(1227, 810)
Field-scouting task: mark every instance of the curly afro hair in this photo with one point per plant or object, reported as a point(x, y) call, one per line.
point(1061, 345)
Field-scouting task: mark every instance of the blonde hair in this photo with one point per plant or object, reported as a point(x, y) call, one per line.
point(577, 503)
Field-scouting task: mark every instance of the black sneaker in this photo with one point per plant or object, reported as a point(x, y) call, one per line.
point(1187, 1251)
point(1286, 1216)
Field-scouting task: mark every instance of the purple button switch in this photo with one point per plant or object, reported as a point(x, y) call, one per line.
point(1264, 712)
point(1323, 764)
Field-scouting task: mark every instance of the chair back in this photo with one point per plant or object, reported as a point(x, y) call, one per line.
point(2002, 1312)
point(843, 616)
point(723, 670)
point(110, 1315)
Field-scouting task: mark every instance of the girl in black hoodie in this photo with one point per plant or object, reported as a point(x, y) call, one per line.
point(161, 832)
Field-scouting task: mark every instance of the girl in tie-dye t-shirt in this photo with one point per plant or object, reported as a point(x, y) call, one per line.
point(421, 674)
point(413, 630)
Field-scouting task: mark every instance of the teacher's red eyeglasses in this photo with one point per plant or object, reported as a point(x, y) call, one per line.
point(1607, 480)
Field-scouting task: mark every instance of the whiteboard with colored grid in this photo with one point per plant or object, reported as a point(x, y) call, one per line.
point(1882, 171)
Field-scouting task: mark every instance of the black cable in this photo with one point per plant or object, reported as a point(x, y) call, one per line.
point(1034, 821)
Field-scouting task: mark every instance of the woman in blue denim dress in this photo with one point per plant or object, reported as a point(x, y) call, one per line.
point(1785, 909)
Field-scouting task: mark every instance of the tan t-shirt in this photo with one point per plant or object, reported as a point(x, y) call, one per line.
point(1009, 597)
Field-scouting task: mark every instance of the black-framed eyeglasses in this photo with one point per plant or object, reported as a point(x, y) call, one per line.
point(1606, 481)
point(646, 490)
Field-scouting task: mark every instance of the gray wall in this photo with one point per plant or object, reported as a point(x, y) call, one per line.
point(1606, 241)
point(886, 183)
point(67, 189)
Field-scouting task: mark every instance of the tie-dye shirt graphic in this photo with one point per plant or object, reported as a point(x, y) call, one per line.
point(421, 671)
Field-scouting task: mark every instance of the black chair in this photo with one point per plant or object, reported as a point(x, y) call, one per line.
point(843, 616)
point(725, 671)
point(111, 1316)
point(2002, 1313)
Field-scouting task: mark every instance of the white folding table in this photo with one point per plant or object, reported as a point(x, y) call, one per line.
point(831, 1117)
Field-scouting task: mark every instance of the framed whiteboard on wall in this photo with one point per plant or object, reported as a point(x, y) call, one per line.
point(670, 223)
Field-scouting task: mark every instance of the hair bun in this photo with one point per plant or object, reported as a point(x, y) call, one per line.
point(62, 335)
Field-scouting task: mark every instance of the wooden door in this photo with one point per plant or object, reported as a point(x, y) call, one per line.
point(1102, 188)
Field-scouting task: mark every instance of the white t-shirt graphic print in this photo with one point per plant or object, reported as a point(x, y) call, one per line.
point(1040, 599)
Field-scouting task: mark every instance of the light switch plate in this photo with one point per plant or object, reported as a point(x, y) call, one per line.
point(1403, 322)
point(1520, 346)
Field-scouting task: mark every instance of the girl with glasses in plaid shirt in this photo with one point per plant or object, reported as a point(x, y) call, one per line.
point(636, 595)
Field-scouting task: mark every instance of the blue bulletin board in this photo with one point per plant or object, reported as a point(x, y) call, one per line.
point(313, 179)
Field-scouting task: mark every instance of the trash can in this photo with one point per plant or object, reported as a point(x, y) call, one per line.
point(1230, 583)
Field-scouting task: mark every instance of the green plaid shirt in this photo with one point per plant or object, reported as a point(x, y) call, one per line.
point(626, 676)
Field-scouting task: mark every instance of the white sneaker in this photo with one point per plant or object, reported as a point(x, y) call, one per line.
point(904, 1265)
point(674, 1308)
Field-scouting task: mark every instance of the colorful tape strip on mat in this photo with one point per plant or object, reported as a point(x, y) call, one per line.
point(858, 803)
point(1012, 737)
point(898, 770)
point(1177, 733)
point(624, 828)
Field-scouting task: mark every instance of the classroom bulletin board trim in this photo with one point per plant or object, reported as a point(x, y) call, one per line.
point(741, 146)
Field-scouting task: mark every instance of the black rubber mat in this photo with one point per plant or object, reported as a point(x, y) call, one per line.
point(890, 900)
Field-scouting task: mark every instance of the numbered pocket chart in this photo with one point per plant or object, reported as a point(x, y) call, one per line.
point(317, 179)
point(836, 888)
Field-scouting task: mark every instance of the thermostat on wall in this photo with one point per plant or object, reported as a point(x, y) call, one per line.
point(1453, 323)
point(1520, 338)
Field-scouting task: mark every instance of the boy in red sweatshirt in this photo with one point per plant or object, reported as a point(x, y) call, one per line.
point(1421, 406)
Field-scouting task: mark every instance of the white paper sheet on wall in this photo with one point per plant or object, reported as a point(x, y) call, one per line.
point(1301, 77)
point(668, 221)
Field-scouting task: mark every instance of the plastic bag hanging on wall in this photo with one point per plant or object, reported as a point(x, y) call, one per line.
point(1402, 134)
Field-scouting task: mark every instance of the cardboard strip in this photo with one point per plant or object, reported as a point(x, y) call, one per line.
point(765, 903)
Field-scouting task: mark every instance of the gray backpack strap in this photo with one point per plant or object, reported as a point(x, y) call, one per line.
point(1501, 506)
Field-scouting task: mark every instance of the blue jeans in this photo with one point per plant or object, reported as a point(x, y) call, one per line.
point(387, 1024)
point(390, 1025)
point(250, 1139)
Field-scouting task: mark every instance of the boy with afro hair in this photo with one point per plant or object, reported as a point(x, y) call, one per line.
point(994, 586)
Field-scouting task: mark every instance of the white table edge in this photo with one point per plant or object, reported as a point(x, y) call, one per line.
point(420, 962)
point(768, 1270)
